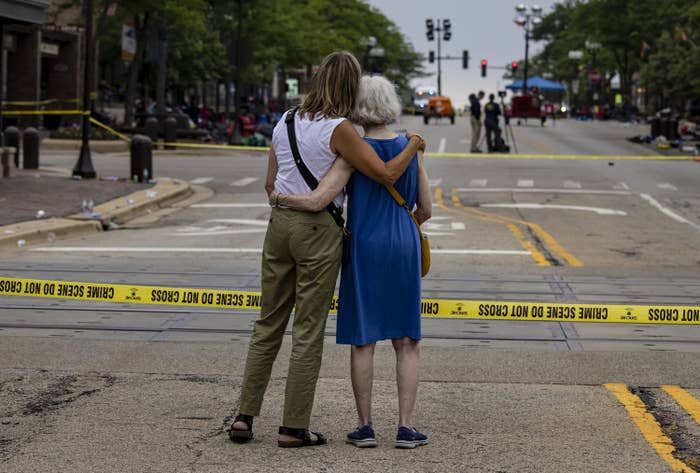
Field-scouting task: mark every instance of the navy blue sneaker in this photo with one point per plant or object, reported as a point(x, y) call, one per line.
point(409, 438)
point(362, 437)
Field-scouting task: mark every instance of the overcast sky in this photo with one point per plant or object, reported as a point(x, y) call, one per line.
point(483, 27)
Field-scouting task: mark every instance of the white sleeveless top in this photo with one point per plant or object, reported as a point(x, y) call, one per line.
point(314, 143)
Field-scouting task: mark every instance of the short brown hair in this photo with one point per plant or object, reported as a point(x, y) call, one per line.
point(333, 89)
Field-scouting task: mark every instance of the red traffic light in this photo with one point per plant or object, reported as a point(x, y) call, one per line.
point(484, 63)
point(514, 66)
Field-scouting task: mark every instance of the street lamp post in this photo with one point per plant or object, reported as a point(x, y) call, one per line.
point(84, 168)
point(527, 18)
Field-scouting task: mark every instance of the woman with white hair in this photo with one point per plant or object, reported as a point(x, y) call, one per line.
point(380, 284)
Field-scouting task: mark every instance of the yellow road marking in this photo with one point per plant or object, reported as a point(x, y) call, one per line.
point(648, 426)
point(472, 213)
point(559, 156)
point(685, 400)
point(538, 257)
point(546, 237)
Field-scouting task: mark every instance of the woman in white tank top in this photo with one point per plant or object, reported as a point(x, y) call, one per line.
point(302, 250)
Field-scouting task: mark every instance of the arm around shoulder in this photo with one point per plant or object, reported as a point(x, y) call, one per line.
point(361, 156)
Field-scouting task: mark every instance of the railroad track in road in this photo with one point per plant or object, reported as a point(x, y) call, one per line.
point(561, 333)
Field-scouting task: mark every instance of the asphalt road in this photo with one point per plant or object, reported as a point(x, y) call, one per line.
point(498, 395)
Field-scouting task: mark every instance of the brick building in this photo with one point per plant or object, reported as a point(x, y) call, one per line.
point(41, 59)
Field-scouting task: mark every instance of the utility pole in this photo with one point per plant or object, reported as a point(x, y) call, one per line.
point(84, 168)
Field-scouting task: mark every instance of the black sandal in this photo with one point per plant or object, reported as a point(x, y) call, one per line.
point(303, 437)
point(241, 435)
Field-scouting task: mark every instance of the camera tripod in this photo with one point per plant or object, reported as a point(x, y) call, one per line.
point(507, 127)
point(509, 137)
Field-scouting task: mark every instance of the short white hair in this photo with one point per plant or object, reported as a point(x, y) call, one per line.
point(377, 102)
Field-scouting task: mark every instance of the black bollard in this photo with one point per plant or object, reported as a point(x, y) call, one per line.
point(141, 158)
point(30, 145)
point(170, 132)
point(151, 127)
point(655, 126)
point(5, 162)
point(12, 137)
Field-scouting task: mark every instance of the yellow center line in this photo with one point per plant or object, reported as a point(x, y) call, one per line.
point(546, 237)
point(685, 400)
point(562, 156)
point(534, 252)
point(648, 426)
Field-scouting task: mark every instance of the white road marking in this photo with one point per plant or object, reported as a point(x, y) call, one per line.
point(544, 191)
point(438, 233)
point(245, 181)
point(458, 226)
point(478, 182)
point(667, 186)
point(572, 185)
point(217, 232)
point(598, 210)
point(435, 182)
point(442, 145)
point(668, 212)
point(239, 221)
point(201, 180)
point(122, 249)
point(479, 252)
point(228, 205)
point(622, 185)
point(526, 183)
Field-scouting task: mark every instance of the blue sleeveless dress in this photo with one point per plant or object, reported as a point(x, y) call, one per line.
point(380, 286)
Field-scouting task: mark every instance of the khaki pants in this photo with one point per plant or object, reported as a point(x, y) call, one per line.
point(300, 264)
point(476, 133)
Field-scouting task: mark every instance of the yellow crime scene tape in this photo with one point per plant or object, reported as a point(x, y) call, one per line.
point(45, 112)
point(32, 103)
point(430, 308)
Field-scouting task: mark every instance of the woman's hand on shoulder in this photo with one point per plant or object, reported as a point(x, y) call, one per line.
point(421, 146)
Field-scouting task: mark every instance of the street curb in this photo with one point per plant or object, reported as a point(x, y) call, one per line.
point(19, 235)
point(165, 192)
point(98, 146)
point(122, 209)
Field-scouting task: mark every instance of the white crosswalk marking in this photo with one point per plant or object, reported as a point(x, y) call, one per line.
point(572, 185)
point(667, 186)
point(245, 181)
point(435, 182)
point(201, 180)
point(443, 145)
point(478, 182)
point(621, 185)
point(526, 183)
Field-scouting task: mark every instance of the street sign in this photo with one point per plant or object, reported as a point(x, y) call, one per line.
point(575, 54)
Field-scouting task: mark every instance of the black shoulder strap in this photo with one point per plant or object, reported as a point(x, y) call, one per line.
point(311, 181)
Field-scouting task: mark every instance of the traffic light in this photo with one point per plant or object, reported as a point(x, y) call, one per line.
point(446, 29)
point(430, 26)
point(465, 59)
point(514, 67)
point(431, 57)
point(484, 63)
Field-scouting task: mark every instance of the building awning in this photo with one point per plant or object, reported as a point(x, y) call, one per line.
point(23, 11)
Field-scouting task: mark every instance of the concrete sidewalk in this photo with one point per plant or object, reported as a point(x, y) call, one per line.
point(40, 206)
point(80, 405)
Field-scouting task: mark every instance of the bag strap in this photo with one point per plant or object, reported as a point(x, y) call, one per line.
point(311, 181)
point(402, 202)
